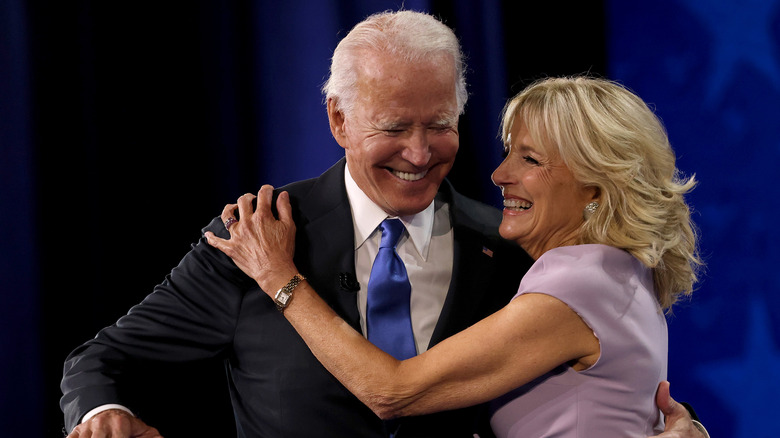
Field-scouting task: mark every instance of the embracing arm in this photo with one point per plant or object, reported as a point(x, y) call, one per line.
point(530, 336)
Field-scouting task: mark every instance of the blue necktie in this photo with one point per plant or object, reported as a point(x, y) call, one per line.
point(388, 319)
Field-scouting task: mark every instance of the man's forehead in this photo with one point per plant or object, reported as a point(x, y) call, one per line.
point(399, 115)
point(386, 70)
point(402, 105)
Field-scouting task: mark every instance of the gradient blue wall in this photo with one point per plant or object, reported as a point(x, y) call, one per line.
point(712, 69)
point(206, 100)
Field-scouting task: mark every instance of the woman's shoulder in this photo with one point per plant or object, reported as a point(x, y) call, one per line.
point(582, 267)
point(583, 258)
point(584, 254)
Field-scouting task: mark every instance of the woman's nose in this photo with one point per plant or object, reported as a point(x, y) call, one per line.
point(499, 175)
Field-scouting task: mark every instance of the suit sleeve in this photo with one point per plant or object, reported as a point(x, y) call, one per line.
point(190, 316)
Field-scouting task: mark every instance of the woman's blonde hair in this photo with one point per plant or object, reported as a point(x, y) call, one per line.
point(609, 139)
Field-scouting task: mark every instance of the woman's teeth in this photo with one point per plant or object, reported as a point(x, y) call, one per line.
point(409, 176)
point(517, 204)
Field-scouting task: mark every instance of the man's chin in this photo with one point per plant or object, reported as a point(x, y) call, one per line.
point(406, 205)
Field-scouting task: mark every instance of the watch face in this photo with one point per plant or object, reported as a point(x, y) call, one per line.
point(282, 298)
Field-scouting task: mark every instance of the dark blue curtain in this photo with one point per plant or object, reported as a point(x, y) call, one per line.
point(124, 128)
point(21, 375)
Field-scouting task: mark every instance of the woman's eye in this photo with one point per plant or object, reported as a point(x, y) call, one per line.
point(530, 160)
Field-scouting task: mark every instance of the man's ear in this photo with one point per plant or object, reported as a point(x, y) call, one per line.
point(336, 120)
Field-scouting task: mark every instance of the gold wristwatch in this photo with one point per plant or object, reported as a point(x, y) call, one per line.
point(284, 295)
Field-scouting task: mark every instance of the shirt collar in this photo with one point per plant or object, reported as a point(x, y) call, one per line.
point(366, 217)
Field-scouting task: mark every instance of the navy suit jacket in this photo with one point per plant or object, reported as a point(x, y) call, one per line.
point(207, 308)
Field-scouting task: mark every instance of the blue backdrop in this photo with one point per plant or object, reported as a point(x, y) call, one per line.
point(125, 128)
point(712, 68)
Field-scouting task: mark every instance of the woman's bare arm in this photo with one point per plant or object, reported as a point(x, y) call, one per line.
point(530, 336)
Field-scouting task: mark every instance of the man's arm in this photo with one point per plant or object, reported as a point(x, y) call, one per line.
point(679, 423)
point(189, 317)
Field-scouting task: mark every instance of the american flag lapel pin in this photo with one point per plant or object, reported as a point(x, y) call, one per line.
point(487, 251)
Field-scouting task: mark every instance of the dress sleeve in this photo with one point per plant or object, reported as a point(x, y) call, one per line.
point(607, 287)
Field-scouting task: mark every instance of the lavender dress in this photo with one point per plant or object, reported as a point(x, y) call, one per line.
point(614, 294)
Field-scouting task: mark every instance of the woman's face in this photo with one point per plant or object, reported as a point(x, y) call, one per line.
point(543, 203)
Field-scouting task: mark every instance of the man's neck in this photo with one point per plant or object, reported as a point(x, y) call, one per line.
point(367, 215)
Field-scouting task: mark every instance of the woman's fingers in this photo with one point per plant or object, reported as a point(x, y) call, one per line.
point(259, 244)
point(245, 209)
point(284, 208)
point(264, 197)
point(228, 215)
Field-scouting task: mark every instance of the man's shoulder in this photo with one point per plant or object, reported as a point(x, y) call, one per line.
point(328, 184)
point(320, 193)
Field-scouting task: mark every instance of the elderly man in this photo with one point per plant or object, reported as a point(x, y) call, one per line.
point(406, 72)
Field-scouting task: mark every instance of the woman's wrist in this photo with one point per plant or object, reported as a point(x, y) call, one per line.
point(275, 280)
point(284, 295)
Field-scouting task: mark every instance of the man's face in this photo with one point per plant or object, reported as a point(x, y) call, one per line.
point(402, 136)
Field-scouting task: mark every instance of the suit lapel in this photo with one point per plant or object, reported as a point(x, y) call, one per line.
point(472, 271)
point(325, 247)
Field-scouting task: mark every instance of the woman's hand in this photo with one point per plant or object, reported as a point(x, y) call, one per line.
point(259, 244)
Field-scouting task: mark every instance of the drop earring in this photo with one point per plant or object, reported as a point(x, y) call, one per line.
point(590, 209)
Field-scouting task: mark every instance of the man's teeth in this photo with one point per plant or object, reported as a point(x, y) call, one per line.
point(517, 204)
point(409, 176)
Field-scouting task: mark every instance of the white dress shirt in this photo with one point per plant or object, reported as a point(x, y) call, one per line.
point(426, 250)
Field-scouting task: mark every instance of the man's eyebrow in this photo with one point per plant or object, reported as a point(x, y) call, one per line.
point(445, 119)
point(396, 124)
point(390, 123)
point(443, 122)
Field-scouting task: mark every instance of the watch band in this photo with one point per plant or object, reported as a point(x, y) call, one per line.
point(284, 295)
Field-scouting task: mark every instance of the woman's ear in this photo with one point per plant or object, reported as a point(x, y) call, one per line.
point(596, 193)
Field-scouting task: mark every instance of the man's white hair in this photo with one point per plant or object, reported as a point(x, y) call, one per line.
point(408, 35)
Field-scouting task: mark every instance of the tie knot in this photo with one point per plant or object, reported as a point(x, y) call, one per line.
point(391, 232)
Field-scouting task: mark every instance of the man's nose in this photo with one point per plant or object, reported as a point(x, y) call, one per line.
point(418, 149)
